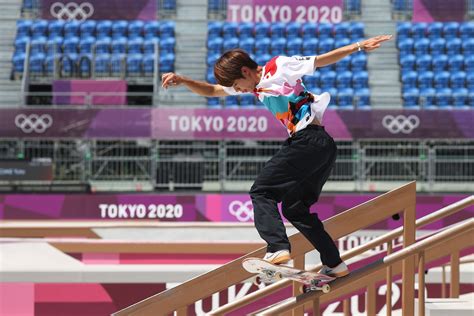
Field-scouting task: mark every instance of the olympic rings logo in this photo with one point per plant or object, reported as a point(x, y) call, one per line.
point(33, 123)
point(400, 123)
point(72, 11)
point(242, 211)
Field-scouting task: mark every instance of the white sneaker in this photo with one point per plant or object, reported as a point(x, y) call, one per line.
point(336, 272)
point(281, 256)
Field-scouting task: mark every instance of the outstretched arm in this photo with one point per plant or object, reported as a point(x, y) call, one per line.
point(196, 86)
point(339, 53)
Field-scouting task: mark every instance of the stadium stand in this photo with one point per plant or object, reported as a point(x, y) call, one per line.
point(347, 80)
point(437, 64)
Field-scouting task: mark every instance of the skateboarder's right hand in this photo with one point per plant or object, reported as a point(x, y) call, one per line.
point(171, 79)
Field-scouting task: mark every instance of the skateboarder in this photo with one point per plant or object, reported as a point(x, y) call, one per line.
point(296, 174)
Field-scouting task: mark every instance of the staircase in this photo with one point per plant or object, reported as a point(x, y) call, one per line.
point(384, 71)
point(10, 11)
point(191, 51)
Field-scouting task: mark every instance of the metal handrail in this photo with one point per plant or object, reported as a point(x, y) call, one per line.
point(416, 248)
point(388, 237)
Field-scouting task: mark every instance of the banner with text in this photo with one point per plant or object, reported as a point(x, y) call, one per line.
point(174, 123)
point(81, 10)
point(302, 11)
point(191, 208)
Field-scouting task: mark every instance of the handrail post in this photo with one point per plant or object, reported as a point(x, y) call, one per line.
point(388, 297)
point(182, 311)
point(299, 263)
point(316, 310)
point(454, 288)
point(370, 300)
point(408, 265)
point(346, 307)
point(421, 283)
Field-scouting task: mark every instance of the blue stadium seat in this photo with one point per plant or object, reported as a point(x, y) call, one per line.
point(470, 81)
point(149, 45)
point(18, 62)
point(457, 80)
point(38, 45)
point(246, 30)
point(341, 42)
point(435, 30)
point(215, 45)
point(469, 64)
point(360, 80)
point(166, 29)
point(468, 47)
point(409, 80)
point(70, 45)
point(437, 46)
point(166, 45)
point(23, 28)
point(87, 28)
point(152, 29)
point(312, 82)
point(277, 30)
point(213, 103)
point(460, 98)
point(344, 64)
point(404, 30)
point(135, 46)
point(71, 29)
point(344, 80)
point(119, 29)
point(104, 28)
point(169, 5)
point(453, 46)
point(134, 64)
point(357, 30)
point(230, 43)
point(39, 28)
point(450, 30)
point(425, 80)
point(410, 98)
point(54, 46)
point(325, 45)
point(102, 46)
point(293, 30)
point(455, 63)
point(324, 31)
point(211, 59)
point(407, 63)
point(86, 45)
point(55, 29)
point(406, 46)
point(333, 92)
point(135, 29)
point(341, 30)
point(423, 63)
point(68, 64)
point(247, 44)
point(231, 101)
point(278, 46)
point(443, 98)
point(362, 97)
point(102, 65)
point(358, 62)
point(427, 97)
point(419, 30)
point(294, 46)
point(440, 63)
point(441, 80)
point(119, 45)
point(210, 76)
point(422, 47)
point(309, 31)
point(471, 99)
point(85, 65)
point(49, 64)
point(345, 98)
point(167, 62)
point(263, 46)
point(328, 80)
point(262, 30)
point(229, 30)
point(149, 65)
point(466, 30)
point(310, 46)
point(20, 44)
point(247, 100)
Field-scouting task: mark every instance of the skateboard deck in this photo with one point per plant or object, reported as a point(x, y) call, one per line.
point(270, 273)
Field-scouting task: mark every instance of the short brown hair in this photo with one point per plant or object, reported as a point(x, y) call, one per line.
point(228, 67)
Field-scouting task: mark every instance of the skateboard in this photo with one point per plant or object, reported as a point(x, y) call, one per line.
point(270, 273)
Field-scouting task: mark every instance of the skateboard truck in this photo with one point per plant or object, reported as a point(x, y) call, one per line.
point(316, 286)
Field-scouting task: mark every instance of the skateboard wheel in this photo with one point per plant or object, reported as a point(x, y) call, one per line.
point(278, 276)
point(326, 288)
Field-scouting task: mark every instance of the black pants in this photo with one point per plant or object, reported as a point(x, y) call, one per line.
point(295, 176)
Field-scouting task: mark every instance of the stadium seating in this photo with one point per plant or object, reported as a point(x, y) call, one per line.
point(347, 80)
point(437, 64)
point(100, 43)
